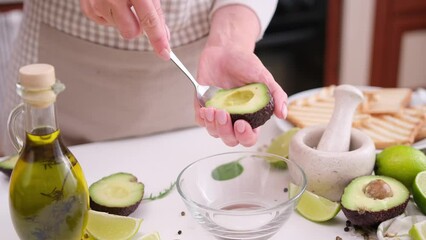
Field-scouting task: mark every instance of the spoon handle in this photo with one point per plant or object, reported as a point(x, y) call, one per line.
point(182, 67)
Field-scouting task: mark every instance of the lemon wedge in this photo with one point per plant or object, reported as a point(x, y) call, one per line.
point(418, 231)
point(104, 226)
point(313, 207)
point(151, 236)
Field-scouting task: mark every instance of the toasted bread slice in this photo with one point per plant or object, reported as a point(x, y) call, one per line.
point(316, 109)
point(386, 130)
point(422, 132)
point(394, 129)
point(386, 100)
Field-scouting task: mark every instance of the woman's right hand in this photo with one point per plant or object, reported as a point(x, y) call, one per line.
point(147, 17)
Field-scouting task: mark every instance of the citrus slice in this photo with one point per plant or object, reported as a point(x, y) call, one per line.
point(419, 191)
point(104, 226)
point(418, 231)
point(314, 207)
point(280, 146)
point(151, 236)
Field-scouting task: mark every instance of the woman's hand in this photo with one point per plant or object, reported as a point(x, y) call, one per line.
point(147, 17)
point(228, 68)
point(228, 61)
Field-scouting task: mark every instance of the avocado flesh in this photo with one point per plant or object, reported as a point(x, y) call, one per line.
point(118, 194)
point(7, 165)
point(363, 210)
point(252, 103)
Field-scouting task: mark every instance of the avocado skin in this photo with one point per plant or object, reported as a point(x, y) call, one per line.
point(6, 171)
point(7, 165)
point(373, 219)
point(123, 211)
point(257, 118)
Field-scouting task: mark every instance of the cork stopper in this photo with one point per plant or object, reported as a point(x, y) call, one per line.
point(36, 82)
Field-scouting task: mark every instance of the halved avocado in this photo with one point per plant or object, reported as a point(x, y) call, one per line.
point(252, 103)
point(369, 200)
point(7, 165)
point(119, 194)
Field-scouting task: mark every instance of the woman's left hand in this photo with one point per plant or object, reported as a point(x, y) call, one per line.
point(229, 67)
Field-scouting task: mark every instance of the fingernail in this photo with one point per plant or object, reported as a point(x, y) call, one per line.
point(284, 110)
point(240, 127)
point(221, 117)
point(209, 115)
point(165, 54)
point(202, 114)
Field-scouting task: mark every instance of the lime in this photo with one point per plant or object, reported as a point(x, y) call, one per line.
point(400, 162)
point(314, 207)
point(104, 226)
point(151, 236)
point(280, 146)
point(419, 191)
point(418, 231)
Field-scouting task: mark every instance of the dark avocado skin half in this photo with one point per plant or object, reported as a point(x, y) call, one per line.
point(373, 219)
point(7, 172)
point(257, 118)
point(123, 211)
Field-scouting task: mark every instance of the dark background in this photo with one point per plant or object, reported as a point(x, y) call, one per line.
point(294, 43)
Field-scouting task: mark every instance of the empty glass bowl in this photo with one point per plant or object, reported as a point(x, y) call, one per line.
point(240, 195)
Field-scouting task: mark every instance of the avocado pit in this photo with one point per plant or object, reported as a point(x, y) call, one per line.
point(378, 189)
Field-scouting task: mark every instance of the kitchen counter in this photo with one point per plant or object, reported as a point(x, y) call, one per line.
point(157, 160)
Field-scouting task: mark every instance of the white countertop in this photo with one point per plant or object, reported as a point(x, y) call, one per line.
point(156, 161)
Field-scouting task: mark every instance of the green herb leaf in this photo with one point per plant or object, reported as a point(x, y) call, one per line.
point(161, 194)
point(227, 171)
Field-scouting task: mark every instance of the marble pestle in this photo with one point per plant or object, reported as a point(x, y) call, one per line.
point(336, 137)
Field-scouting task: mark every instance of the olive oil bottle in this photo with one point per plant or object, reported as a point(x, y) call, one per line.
point(48, 194)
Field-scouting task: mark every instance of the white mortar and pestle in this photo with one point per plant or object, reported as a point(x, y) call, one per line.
point(333, 155)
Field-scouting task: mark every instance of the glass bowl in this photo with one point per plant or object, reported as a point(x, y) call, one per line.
point(240, 195)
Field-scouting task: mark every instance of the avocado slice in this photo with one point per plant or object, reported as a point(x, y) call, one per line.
point(369, 200)
point(7, 165)
point(119, 194)
point(252, 103)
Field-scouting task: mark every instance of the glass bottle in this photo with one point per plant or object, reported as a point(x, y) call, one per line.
point(48, 194)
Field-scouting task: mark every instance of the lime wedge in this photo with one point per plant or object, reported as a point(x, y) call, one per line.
point(314, 207)
point(151, 236)
point(419, 191)
point(280, 146)
point(104, 226)
point(418, 231)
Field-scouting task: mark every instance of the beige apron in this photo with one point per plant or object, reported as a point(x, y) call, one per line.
point(112, 93)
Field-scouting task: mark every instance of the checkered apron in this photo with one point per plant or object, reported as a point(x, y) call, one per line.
point(56, 32)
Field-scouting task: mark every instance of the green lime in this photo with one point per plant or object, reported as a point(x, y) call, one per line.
point(280, 146)
point(418, 231)
point(314, 207)
point(104, 226)
point(400, 162)
point(151, 236)
point(419, 191)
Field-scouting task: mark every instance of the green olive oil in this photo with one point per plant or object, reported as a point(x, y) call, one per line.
point(48, 194)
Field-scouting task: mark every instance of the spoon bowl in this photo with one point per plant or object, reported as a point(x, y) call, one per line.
point(204, 93)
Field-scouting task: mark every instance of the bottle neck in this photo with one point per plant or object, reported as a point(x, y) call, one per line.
point(37, 119)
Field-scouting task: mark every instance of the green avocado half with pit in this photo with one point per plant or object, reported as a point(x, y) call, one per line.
point(252, 103)
point(369, 200)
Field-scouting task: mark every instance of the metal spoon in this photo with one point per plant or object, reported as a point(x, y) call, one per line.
point(204, 93)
